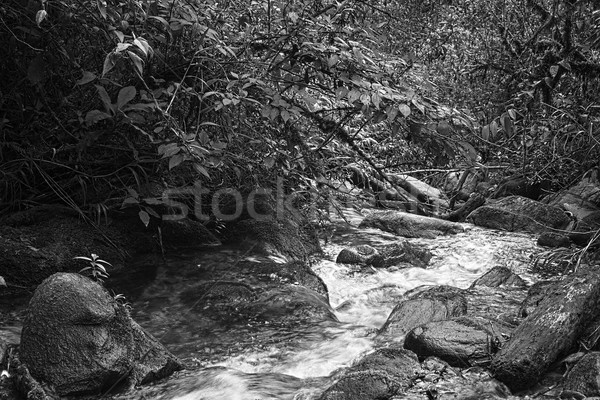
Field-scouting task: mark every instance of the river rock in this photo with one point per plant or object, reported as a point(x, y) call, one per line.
point(516, 213)
point(535, 295)
point(361, 255)
point(474, 384)
point(290, 303)
point(519, 185)
point(400, 254)
point(584, 377)
point(77, 338)
point(460, 341)
point(380, 375)
point(500, 276)
point(500, 305)
point(435, 304)
point(290, 237)
point(409, 225)
point(550, 331)
point(553, 239)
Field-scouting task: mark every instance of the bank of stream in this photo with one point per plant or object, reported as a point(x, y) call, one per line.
point(267, 360)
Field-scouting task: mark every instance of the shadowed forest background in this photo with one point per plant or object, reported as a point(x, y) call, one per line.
point(99, 97)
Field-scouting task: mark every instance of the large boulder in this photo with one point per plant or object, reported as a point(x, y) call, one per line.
point(517, 213)
point(551, 331)
point(435, 304)
point(77, 338)
point(460, 341)
point(409, 225)
point(379, 375)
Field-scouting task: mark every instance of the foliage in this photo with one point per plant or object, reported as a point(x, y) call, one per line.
point(108, 95)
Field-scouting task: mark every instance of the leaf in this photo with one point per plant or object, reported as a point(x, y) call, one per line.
point(125, 96)
point(353, 95)
point(95, 116)
point(2, 281)
point(359, 56)
point(553, 71)
point(200, 169)
point(493, 129)
point(40, 16)
point(36, 70)
point(419, 106)
point(109, 64)
point(512, 113)
point(120, 35)
point(485, 133)
point(144, 217)
point(404, 109)
point(105, 98)
point(175, 160)
point(102, 8)
point(565, 64)
point(269, 162)
point(137, 62)
point(129, 200)
point(86, 78)
point(508, 124)
point(391, 112)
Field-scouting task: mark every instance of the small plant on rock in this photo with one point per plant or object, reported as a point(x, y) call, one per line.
point(97, 267)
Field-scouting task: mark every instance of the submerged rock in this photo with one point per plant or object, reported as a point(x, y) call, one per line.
point(461, 341)
point(500, 276)
point(410, 225)
point(290, 303)
point(516, 213)
point(77, 338)
point(379, 375)
point(436, 304)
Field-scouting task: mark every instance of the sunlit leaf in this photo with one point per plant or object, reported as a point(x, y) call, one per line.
point(40, 16)
point(2, 281)
point(404, 109)
point(102, 8)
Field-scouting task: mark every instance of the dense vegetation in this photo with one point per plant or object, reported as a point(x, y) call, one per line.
point(100, 96)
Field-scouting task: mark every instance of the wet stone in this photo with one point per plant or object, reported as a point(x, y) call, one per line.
point(434, 304)
point(461, 342)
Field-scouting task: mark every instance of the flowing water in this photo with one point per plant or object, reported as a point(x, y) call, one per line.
point(296, 363)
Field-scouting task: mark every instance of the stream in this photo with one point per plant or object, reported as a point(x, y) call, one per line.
point(274, 361)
